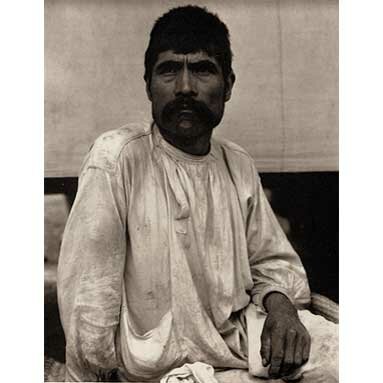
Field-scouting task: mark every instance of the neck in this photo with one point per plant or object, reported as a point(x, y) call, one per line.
point(198, 146)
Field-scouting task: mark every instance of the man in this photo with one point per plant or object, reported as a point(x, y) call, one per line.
point(171, 241)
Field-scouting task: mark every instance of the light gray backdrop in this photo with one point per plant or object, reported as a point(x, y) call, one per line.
point(284, 108)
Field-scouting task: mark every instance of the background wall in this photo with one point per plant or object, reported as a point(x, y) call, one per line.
point(284, 108)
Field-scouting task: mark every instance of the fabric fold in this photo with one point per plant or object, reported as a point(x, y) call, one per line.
point(200, 372)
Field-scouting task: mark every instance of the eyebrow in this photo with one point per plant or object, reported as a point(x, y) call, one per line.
point(168, 64)
point(203, 65)
point(193, 66)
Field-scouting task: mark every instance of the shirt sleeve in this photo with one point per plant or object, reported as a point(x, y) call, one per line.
point(90, 273)
point(274, 264)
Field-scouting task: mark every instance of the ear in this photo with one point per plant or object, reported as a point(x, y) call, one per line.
point(148, 92)
point(229, 85)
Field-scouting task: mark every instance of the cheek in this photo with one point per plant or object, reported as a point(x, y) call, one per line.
point(157, 108)
point(216, 97)
point(161, 89)
point(160, 97)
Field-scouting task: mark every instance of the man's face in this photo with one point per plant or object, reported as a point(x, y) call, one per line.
point(188, 93)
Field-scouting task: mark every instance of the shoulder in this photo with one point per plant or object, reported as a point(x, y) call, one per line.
point(240, 165)
point(111, 145)
point(235, 154)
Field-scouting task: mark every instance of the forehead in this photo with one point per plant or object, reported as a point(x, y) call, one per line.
point(185, 57)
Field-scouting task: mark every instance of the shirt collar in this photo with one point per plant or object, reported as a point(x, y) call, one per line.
point(180, 154)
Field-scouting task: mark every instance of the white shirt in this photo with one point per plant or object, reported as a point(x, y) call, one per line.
point(162, 251)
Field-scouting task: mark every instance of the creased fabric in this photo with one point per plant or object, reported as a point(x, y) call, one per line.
point(199, 372)
point(161, 252)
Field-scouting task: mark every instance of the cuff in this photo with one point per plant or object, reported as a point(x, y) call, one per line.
point(259, 297)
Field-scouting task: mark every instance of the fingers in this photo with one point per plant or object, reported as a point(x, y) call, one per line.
point(298, 357)
point(297, 352)
point(285, 345)
point(265, 347)
point(288, 352)
point(277, 354)
point(288, 363)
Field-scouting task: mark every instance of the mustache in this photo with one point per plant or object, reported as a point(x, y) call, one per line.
point(200, 109)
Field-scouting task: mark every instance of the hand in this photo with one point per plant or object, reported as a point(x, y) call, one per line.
point(285, 342)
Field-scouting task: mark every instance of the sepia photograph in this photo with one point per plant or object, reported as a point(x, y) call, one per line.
point(191, 191)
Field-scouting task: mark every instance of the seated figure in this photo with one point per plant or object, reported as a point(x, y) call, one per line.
point(172, 257)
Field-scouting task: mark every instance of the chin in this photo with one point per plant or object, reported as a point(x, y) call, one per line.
point(189, 131)
point(185, 128)
point(192, 131)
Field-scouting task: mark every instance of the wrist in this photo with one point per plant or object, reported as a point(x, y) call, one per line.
point(276, 301)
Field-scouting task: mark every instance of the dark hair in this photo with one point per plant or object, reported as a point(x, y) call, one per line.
point(189, 29)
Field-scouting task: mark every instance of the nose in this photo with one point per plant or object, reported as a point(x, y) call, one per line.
point(185, 85)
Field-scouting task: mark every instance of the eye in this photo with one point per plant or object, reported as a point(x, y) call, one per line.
point(204, 69)
point(203, 72)
point(168, 69)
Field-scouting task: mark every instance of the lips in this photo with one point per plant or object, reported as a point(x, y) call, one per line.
point(186, 115)
point(186, 111)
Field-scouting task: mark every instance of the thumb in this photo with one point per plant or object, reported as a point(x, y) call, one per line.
point(265, 348)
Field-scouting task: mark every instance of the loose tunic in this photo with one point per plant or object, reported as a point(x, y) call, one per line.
point(161, 252)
